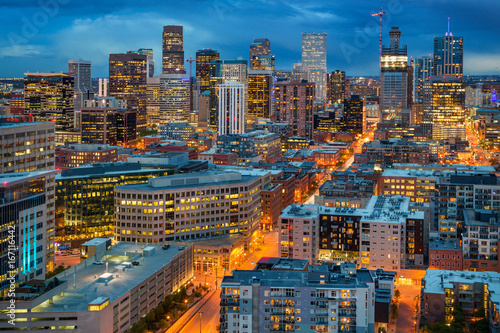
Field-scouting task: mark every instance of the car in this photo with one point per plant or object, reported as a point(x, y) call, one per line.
point(98, 262)
point(166, 247)
point(135, 263)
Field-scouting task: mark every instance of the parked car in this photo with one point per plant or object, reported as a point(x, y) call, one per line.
point(166, 247)
point(99, 262)
point(135, 263)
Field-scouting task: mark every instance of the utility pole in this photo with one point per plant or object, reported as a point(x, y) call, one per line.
point(381, 13)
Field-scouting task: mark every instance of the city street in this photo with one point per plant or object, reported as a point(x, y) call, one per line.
point(71, 260)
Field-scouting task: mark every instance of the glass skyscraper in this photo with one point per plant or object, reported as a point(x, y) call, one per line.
point(314, 56)
point(203, 58)
point(449, 55)
point(173, 49)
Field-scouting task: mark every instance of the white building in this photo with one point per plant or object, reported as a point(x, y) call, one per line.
point(232, 101)
point(174, 96)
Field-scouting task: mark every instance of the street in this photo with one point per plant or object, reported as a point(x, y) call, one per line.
point(71, 260)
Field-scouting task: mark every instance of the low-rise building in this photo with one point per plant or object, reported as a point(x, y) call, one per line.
point(351, 188)
point(75, 155)
point(176, 131)
point(445, 253)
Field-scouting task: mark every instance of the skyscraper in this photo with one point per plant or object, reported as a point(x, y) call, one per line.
point(174, 98)
point(220, 72)
point(81, 71)
point(263, 62)
point(295, 105)
point(396, 82)
point(151, 63)
point(128, 81)
point(231, 106)
point(336, 87)
point(354, 119)
point(203, 58)
point(314, 56)
point(173, 49)
point(260, 46)
point(422, 71)
point(449, 55)
point(50, 97)
point(153, 100)
point(260, 93)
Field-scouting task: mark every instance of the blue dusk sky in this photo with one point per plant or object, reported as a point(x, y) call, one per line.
point(41, 35)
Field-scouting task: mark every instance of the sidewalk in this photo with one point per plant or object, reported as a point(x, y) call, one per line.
point(189, 314)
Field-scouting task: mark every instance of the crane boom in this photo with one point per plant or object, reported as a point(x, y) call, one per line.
point(380, 14)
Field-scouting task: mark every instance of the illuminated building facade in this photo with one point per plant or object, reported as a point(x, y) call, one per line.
point(49, 97)
point(26, 146)
point(260, 46)
point(336, 87)
point(150, 69)
point(128, 81)
point(27, 223)
point(203, 59)
point(153, 100)
point(17, 104)
point(295, 105)
point(74, 155)
point(263, 63)
point(81, 70)
point(260, 93)
point(232, 117)
point(84, 198)
point(354, 119)
point(423, 69)
point(314, 57)
point(174, 97)
point(449, 55)
point(173, 50)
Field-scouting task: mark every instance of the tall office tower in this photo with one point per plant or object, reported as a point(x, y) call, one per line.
point(300, 72)
point(336, 87)
point(422, 71)
point(17, 104)
point(263, 62)
point(128, 81)
point(444, 106)
point(27, 220)
point(103, 87)
point(232, 117)
point(175, 92)
point(153, 100)
point(295, 105)
point(151, 63)
point(26, 145)
point(354, 119)
point(260, 46)
point(106, 120)
point(396, 86)
point(81, 71)
point(449, 55)
point(203, 59)
point(173, 50)
point(314, 57)
point(50, 97)
point(220, 72)
point(260, 93)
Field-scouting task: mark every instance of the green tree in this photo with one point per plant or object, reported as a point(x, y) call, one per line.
point(397, 296)
point(394, 311)
point(164, 324)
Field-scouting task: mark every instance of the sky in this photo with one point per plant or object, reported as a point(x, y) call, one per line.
point(42, 35)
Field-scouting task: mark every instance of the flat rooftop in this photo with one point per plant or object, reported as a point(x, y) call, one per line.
point(88, 288)
point(450, 244)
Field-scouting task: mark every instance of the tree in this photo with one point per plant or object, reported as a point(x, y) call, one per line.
point(164, 324)
point(481, 324)
point(397, 296)
point(394, 311)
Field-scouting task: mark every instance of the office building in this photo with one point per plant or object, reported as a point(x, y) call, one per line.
point(336, 87)
point(203, 59)
point(222, 71)
point(150, 68)
point(26, 145)
point(260, 46)
point(105, 120)
point(243, 145)
point(153, 100)
point(295, 105)
point(84, 198)
point(173, 50)
point(449, 55)
point(267, 144)
point(396, 81)
point(314, 57)
point(423, 69)
point(232, 107)
point(17, 104)
point(354, 119)
point(281, 295)
point(27, 219)
point(260, 93)
point(128, 81)
point(74, 155)
point(174, 98)
point(50, 97)
point(388, 152)
point(357, 234)
point(81, 71)
point(184, 207)
point(177, 131)
point(263, 63)
point(106, 298)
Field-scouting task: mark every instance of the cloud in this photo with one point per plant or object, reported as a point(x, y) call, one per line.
point(21, 51)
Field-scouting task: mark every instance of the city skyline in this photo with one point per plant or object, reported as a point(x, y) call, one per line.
point(43, 39)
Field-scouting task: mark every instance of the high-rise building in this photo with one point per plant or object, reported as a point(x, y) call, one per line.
point(260, 93)
point(295, 105)
point(151, 63)
point(449, 55)
point(173, 50)
point(354, 119)
point(153, 100)
point(17, 104)
point(336, 87)
point(203, 59)
point(314, 56)
point(27, 220)
point(263, 62)
point(50, 97)
point(81, 71)
point(422, 71)
point(174, 97)
point(396, 82)
point(26, 146)
point(220, 72)
point(260, 46)
point(128, 81)
point(232, 118)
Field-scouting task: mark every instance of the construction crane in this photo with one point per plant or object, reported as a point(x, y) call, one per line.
point(381, 13)
point(190, 60)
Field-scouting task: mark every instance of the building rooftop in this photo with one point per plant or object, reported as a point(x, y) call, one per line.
point(88, 147)
point(481, 217)
point(452, 244)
